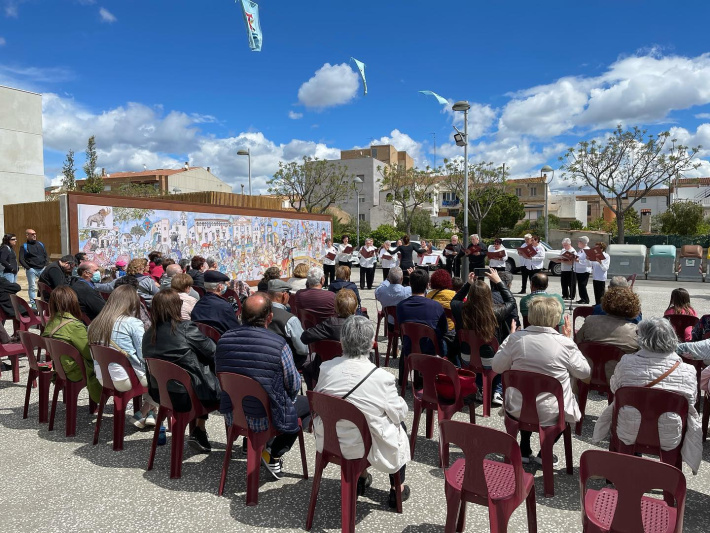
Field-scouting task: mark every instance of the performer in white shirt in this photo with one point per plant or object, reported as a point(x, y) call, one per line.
point(582, 269)
point(344, 258)
point(599, 270)
point(329, 264)
point(367, 264)
point(497, 264)
point(386, 263)
point(525, 265)
point(567, 278)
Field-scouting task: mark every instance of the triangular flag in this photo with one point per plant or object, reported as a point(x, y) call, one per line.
point(440, 99)
point(361, 68)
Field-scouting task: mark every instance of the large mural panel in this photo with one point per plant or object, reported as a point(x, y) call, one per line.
point(244, 246)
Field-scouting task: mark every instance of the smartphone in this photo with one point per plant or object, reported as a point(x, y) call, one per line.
point(481, 272)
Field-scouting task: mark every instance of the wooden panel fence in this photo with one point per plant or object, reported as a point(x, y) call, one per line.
point(43, 217)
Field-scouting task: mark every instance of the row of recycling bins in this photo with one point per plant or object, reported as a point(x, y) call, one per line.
point(664, 263)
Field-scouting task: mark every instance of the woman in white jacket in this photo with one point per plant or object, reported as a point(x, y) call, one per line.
point(599, 270)
point(377, 398)
point(658, 342)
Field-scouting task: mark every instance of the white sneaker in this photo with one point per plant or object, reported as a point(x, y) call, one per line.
point(497, 398)
point(137, 420)
point(150, 419)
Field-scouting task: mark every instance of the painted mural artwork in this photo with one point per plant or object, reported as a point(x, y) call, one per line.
point(244, 246)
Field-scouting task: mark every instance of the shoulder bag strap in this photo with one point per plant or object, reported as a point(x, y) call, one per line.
point(61, 324)
point(663, 376)
point(360, 383)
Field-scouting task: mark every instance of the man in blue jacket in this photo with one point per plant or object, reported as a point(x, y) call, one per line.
point(212, 309)
point(33, 257)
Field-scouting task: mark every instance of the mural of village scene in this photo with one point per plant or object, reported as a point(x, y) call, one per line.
point(245, 246)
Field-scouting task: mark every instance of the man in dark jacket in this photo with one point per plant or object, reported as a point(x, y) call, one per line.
point(58, 274)
point(212, 309)
point(197, 271)
point(89, 298)
point(6, 289)
point(284, 323)
point(33, 257)
point(255, 352)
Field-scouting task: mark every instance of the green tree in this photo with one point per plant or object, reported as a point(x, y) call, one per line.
point(408, 191)
point(385, 232)
point(312, 185)
point(139, 190)
point(128, 214)
point(94, 182)
point(68, 173)
point(420, 224)
point(137, 231)
point(350, 229)
point(576, 225)
point(627, 161)
point(505, 213)
point(682, 218)
point(632, 224)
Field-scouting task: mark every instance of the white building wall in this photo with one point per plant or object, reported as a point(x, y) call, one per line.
point(197, 180)
point(657, 204)
point(21, 157)
point(367, 169)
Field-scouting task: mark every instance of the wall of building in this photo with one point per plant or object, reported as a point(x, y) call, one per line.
point(21, 157)
point(366, 170)
point(197, 180)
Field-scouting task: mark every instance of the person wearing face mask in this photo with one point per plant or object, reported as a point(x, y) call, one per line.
point(212, 309)
point(84, 285)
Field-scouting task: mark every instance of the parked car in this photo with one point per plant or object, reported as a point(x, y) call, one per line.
point(512, 244)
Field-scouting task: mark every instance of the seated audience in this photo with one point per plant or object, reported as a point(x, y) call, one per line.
point(155, 266)
point(254, 351)
point(440, 283)
point(342, 281)
point(318, 301)
point(300, 276)
point(184, 264)
point(374, 392)
point(179, 341)
point(391, 291)
point(540, 348)
point(616, 281)
point(118, 326)
point(457, 283)
point(680, 305)
point(507, 279)
point(212, 309)
point(137, 277)
point(269, 274)
point(656, 359)
point(538, 287)
point(284, 323)
point(58, 273)
point(120, 269)
point(621, 306)
point(6, 289)
point(79, 258)
point(166, 281)
point(182, 283)
point(84, 285)
point(198, 266)
point(211, 263)
point(65, 325)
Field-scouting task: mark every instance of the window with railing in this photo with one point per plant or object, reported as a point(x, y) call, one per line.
point(449, 198)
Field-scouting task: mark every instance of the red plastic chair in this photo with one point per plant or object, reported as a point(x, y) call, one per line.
point(44, 290)
point(706, 415)
point(599, 354)
point(71, 389)
point(471, 346)
point(531, 385)
point(105, 295)
point(651, 403)
point(85, 319)
point(331, 410)
point(34, 344)
point(326, 349)
point(209, 331)
point(632, 478)
point(239, 387)
point(308, 318)
point(393, 335)
point(163, 372)
point(631, 279)
point(13, 353)
point(29, 319)
point(416, 333)
point(199, 290)
point(500, 486)
point(581, 312)
point(104, 356)
point(4, 317)
point(42, 313)
point(233, 294)
point(431, 367)
point(681, 323)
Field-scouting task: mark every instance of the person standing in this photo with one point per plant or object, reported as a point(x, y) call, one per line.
point(537, 262)
point(406, 251)
point(33, 258)
point(8, 258)
point(497, 263)
point(343, 256)
point(329, 258)
point(567, 265)
point(387, 260)
point(582, 269)
point(476, 253)
point(453, 253)
point(599, 270)
point(367, 264)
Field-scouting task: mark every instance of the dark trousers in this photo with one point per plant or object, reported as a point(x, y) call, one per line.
point(525, 273)
point(405, 276)
point(599, 288)
point(282, 443)
point(367, 275)
point(568, 288)
point(385, 273)
point(525, 449)
point(329, 273)
point(453, 265)
point(582, 280)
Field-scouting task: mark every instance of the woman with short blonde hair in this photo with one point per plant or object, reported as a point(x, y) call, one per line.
point(300, 276)
point(545, 313)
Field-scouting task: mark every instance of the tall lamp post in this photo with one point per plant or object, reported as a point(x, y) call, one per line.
point(543, 171)
point(247, 153)
point(462, 140)
point(358, 188)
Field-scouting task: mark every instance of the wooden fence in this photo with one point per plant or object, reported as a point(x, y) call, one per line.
point(226, 199)
point(43, 217)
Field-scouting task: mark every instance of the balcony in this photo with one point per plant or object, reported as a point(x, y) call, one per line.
point(450, 203)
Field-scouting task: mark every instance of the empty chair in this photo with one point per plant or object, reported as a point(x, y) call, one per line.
point(42, 312)
point(471, 346)
point(500, 486)
point(45, 291)
point(208, 331)
point(625, 508)
point(26, 320)
point(42, 372)
point(422, 339)
point(238, 388)
point(326, 349)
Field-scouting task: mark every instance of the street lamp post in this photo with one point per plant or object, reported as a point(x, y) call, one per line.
point(358, 187)
point(247, 153)
point(464, 106)
point(543, 173)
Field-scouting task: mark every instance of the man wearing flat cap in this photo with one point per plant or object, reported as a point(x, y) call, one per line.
point(284, 323)
point(212, 309)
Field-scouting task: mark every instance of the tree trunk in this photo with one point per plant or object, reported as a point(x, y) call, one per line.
point(479, 223)
point(620, 228)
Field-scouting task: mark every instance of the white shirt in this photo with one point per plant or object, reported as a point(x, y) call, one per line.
point(538, 260)
point(600, 268)
point(368, 262)
point(582, 266)
point(343, 257)
point(497, 263)
point(330, 250)
point(567, 267)
point(524, 261)
point(387, 263)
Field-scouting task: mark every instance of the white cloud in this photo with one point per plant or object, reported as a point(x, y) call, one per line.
point(480, 119)
point(107, 16)
point(331, 85)
point(405, 143)
point(3, 42)
point(702, 115)
point(294, 116)
point(10, 8)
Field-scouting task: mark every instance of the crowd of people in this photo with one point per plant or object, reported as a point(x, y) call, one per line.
point(151, 308)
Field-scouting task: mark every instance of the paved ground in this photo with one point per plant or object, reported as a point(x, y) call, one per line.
point(51, 483)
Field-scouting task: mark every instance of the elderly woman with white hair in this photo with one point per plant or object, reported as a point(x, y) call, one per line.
point(567, 264)
point(656, 364)
point(582, 270)
point(372, 390)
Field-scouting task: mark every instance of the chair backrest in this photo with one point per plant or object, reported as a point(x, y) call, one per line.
point(326, 349)
point(391, 311)
point(582, 311)
point(44, 289)
point(526, 321)
point(239, 387)
point(331, 410)
point(208, 331)
point(19, 305)
point(85, 319)
point(476, 442)
point(600, 354)
point(308, 318)
point(631, 279)
point(105, 295)
point(104, 356)
point(417, 333)
point(632, 477)
point(471, 345)
point(680, 323)
point(43, 311)
point(199, 290)
point(231, 293)
point(33, 345)
point(164, 372)
point(531, 385)
point(430, 366)
point(651, 403)
point(58, 349)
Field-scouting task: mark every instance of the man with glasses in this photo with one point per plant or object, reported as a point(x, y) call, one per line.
point(33, 257)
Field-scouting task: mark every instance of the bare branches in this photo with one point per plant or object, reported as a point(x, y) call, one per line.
point(407, 191)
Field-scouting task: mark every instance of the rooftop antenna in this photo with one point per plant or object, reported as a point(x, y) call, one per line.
point(434, 134)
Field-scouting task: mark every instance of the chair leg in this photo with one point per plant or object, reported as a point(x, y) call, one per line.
point(137, 403)
point(453, 504)
point(44, 379)
point(302, 445)
point(119, 422)
point(532, 511)
point(30, 379)
point(377, 355)
point(162, 413)
point(231, 437)
point(320, 465)
point(568, 448)
point(461, 523)
point(706, 416)
point(99, 418)
point(582, 393)
point(498, 518)
point(254, 450)
point(72, 404)
point(57, 387)
point(415, 426)
point(177, 444)
point(398, 491)
point(348, 495)
point(546, 442)
point(486, 395)
point(429, 423)
point(16, 368)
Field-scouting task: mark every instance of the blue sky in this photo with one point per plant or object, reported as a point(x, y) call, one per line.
point(160, 83)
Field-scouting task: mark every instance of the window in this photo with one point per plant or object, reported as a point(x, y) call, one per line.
point(643, 200)
point(518, 192)
point(533, 191)
point(539, 213)
point(389, 197)
point(362, 217)
point(362, 199)
point(589, 210)
point(362, 177)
